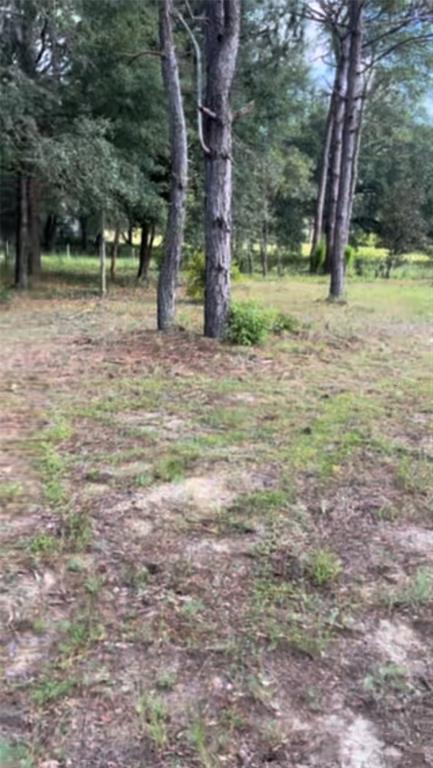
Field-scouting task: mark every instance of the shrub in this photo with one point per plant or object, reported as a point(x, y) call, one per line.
point(318, 257)
point(248, 324)
point(196, 275)
point(282, 322)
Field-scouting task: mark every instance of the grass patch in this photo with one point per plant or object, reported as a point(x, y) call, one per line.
point(323, 567)
point(153, 717)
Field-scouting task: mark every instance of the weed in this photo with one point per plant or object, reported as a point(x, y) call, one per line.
point(44, 545)
point(14, 755)
point(153, 715)
point(192, 607)
point(49, 690)
point(10, 491)
point(198, 737)
point(136, 576)
point(387, 676)
point(418, 591)
point(166, 681)
point(77, 532)
point(323, 567)
point(169, 470)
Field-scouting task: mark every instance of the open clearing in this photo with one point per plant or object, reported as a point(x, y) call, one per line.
point(215, 556)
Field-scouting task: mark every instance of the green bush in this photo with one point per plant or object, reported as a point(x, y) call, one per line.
point(282, 322)
point(248, 324)
point(318, 257)
point(196, 275)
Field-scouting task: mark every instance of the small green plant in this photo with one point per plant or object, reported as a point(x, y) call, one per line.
point(387, 676)
point(170, 469)
point(248, 324)
point(166, 681)
point(418, 591)
point(14, 755)
point(10, 491)
point(44, 545)
point(77, 532)
point(283, 322)
point(199, 739)
point(153, 715)
point(323, 567)
point(48, 690)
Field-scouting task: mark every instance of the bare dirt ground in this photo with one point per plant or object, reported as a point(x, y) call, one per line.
point(214, 556)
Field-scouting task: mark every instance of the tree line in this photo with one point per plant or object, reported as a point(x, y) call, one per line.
point(148, 115)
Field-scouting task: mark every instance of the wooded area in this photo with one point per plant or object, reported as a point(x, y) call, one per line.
point(216, 485)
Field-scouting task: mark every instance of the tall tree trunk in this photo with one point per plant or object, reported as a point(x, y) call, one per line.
point(173, 240)
point(50, 230)
point(114, 253)
point(222, 43)
point(102, 259)
point(339, 109)
point(21, 245)
point(348, 152)
point(34, 227)
point(321, 192)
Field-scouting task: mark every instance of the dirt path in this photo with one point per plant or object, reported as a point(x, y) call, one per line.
point(212, 556)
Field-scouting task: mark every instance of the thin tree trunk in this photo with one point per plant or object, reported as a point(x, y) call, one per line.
point(114, 253)
point(222, 43)
point(339, 109)
point(321, 193)
point(34, 227)
point(84, 235)
point(173, 241)
point(21, 266)
point(102, 260)
point(348, 152)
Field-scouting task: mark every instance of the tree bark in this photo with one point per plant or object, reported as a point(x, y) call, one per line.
point(321, 193)
point(222, 43)
point(34, 227)
point(102, 260)
point(348, 152)
point(21, 246)
point(173, 240)
point(339, 109)
point(114, 253)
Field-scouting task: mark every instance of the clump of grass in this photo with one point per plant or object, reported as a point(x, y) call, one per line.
point(417, 592)
point(43, 545)
point(49, 689)
point(170, 469)
point(323, 567)
point(9, 491)
point(154, 717)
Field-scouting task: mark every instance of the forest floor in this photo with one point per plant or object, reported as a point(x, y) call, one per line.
point(217, 556)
